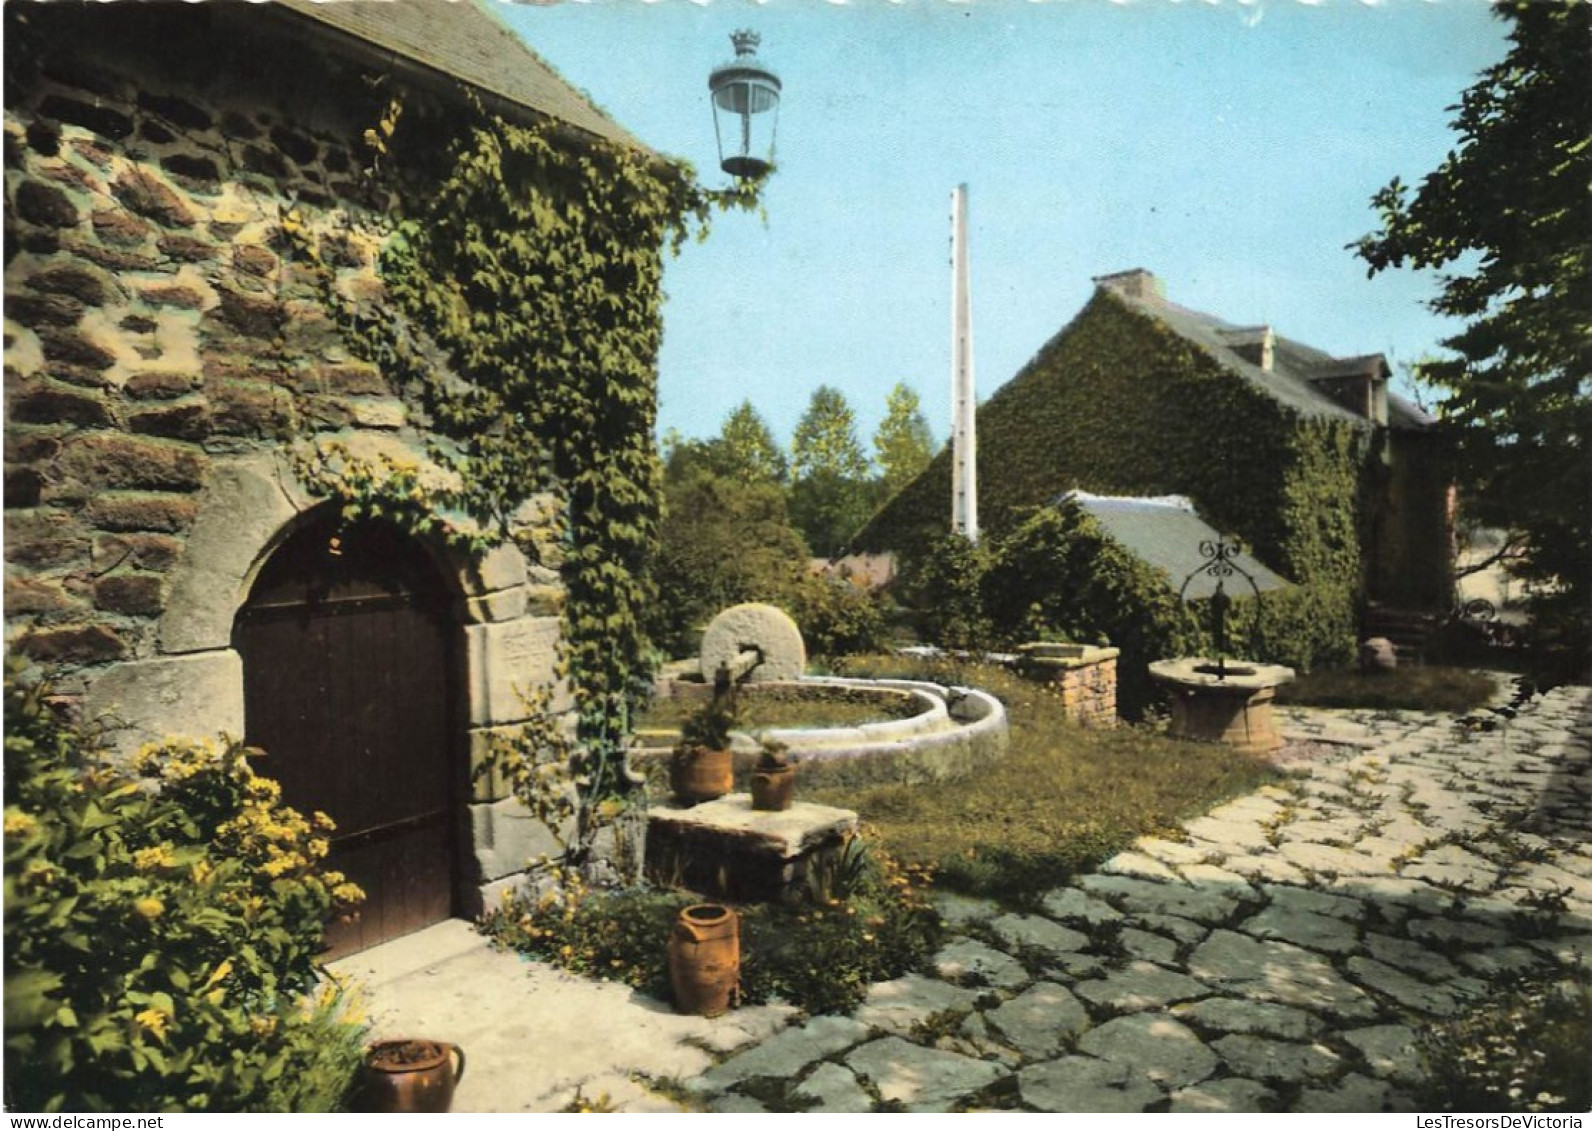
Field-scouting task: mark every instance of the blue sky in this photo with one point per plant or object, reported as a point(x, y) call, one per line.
point(1232, 148)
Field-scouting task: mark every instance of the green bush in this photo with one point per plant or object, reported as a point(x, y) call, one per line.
point(866, 920)
point(162, 931)
point(943, 585)
point(837, 617)
point(1058, 576)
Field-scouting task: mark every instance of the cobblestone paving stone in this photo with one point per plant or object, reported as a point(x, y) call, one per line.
point(1284, 957)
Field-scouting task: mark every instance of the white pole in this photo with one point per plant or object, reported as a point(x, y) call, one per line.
point(964, 454)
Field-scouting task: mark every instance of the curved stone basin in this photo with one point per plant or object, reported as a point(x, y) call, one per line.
point(1232, 707)
point(955, 730)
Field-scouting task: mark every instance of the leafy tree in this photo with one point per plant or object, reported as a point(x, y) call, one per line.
point(749, 449)
point(720, 542)
point(903, 445)
point(831, 495)
point(1507, 215)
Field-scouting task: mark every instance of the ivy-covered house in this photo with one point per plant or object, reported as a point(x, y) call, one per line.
point(330, 343)
point(1332, 480)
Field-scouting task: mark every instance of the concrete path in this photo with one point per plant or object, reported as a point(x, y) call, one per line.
point(1282, 956)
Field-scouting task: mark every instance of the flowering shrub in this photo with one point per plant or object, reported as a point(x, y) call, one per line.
point(865, 920)
point(1524, 1049)
point(162, 928)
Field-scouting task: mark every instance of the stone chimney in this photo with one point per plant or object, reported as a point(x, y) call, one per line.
point(1137, 283)
point(1255, 344)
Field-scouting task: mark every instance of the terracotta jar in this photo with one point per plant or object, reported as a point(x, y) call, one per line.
point(700, 773)
point(411, 1075)
point(705, 959)
point(773, 787)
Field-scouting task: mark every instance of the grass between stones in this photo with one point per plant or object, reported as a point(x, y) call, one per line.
point(1450, 690)
point(1063, 799)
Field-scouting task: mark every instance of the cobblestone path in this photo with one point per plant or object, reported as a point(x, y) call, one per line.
point(1282, 957)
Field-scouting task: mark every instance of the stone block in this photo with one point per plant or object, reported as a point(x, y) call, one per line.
point(113, 461)
point(43, 538)
point(37, 596)
point(243, 509)
point(160, 384)
point(138, 551)
point(199, 695)
point(67, 347)
point(728, 850)
point(150, 198)
point(502, 567)
point(87, 285)
point(73, 644)
point(142, 510)
point(488, 779)
point(45, 205)
point(116, 228)
point(509, 660)
point(507, 837)
point(45, 402)
point(508, 604)
point(132, 594)
point(43, 310)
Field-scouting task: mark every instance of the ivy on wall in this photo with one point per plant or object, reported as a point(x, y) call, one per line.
point(1118, 403)
point(522, 316)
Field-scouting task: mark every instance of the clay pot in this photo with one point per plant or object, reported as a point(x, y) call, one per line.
point(411, 1076)
point(773, 787)
point(705, 959)
point(700, 773)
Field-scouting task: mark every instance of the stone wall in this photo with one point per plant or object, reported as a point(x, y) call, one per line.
point(164, 357)
point(1085, 677)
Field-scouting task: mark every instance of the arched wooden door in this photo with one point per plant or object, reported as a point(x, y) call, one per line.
point(350, 685)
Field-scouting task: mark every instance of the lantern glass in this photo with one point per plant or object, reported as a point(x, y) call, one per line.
point(745, 110)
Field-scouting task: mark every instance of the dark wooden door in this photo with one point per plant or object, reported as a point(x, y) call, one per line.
point(349, 678)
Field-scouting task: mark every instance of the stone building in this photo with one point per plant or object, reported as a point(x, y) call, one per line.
point(1331, 478)
point(168, 367)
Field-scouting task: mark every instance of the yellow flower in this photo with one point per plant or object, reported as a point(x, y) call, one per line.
point(149, 859)
point(149, 907)
point(155, 1021)
point(20, 824)
point(348, 893)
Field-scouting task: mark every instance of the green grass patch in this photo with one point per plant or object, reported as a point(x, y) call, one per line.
point(1447, 690)
point(761, 707)
point(1062, 800)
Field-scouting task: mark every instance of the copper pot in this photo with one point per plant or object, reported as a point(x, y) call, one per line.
point(410, 1075)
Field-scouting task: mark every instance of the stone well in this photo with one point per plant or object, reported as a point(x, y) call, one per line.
point(1231, 705)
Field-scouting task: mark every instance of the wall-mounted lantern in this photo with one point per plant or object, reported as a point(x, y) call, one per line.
point(745, 109)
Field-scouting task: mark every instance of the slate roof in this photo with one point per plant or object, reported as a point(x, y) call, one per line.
point(1295, 366)
point(1165, 532)
point(464, 40)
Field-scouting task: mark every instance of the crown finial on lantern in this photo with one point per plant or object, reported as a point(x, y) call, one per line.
point(746, 41)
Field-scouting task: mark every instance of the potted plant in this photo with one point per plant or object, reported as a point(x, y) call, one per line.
point(773, 778)
point(701, 768)
point(410, 1075)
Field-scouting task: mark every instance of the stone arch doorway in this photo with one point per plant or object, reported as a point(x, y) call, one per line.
point(351, 687)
